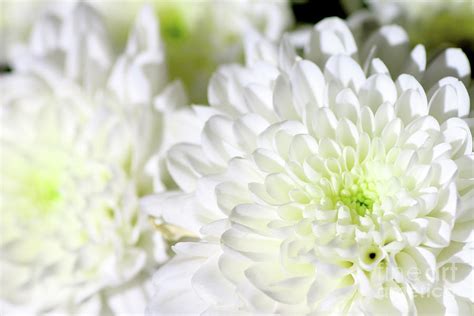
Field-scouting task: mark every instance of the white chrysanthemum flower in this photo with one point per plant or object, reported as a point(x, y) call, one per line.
point(78, 130)
point(327, 187)
point(198, 35)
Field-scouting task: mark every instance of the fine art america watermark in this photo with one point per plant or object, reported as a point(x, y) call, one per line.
point(426, 283)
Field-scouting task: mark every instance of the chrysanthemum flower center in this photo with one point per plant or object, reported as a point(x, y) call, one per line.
point(43, 190)
point(173, 23)
point(359, 196)
point(38, 185)
point(31, 182)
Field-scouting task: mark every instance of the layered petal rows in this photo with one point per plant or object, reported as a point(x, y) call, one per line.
point(341, 183)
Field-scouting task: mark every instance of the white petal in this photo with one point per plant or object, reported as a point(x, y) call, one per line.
point(172, 97)
point(328, 148)
point(44, 37)
point(463, 232)
point(391, 45)
point(251, 244)
point(278, 186)
point(185, 163)
point(416, 63)
point(261, 195)
point(283, 99)
point(426, 123)
point(411, 105)
point(458, 304)
point(174, 208)
point(330, 37)
point(378, 67)
point(308, 84)
point(247, 128)
point(347, 105)
point(345, 71)
point(302, 146)
point(259, 99)
point(451, 62)
point(287, 54)
point(211, 285)
point(438, 233)
point(376, 90)
point(175, 291)
point(284, 136)
point(143, 77)
point(230, 194)
point(85, 24)
point(384, 115)
point(463, 104)
point(324, 124)
point(190, 249)
point(139, 294)
point(444, 103)
point(367, 120)
point(430, 305)
point(225, 89)
point(391, 133)
point(459, 279)
point(268, 161)
point(267, 278)
point(425, 268)
point(444, 171)
point(458, 135)
point(406, 82)
point(219, 141)
point(258, 48)
point(254, 216)
point(145, 35)
point(347, 133)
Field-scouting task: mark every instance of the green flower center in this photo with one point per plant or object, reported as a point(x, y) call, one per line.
point(31, 183)
point(173, 23)
point(42, 189)
point(360, 196)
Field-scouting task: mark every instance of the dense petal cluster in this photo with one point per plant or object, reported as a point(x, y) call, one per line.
point(342, 183)
point(80, 128)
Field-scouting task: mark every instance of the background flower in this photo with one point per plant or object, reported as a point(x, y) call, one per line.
point(319, 186)
point(436, 24)
point(80, 130)
point(197, 35)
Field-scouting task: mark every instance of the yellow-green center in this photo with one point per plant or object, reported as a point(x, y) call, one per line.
point(173, 23)
point(43, 191)
point(359, 196)
point(32, 184)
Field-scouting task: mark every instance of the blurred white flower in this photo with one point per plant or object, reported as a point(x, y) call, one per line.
point(343, 186)
point(198, 35)
point(79, 127)
point(436, 24)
